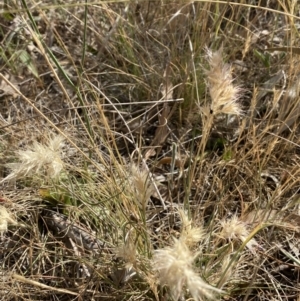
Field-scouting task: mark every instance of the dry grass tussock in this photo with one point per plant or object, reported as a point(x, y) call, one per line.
point(149, 150)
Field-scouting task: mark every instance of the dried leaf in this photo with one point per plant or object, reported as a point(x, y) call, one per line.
point(6, 89)
point(162, 130)
point(268, 86)
point(289, 108)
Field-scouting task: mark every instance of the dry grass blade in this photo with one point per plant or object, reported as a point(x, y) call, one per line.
point(163, 129)
point(43, 286)
point(295, 50)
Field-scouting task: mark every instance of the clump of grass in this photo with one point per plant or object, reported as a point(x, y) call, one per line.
point(116, 202)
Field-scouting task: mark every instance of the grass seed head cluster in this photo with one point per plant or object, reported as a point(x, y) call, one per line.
point(38, 159)
point(175, 264)
point(223, 93)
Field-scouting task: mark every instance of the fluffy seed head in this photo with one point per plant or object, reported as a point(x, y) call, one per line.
point(224, 95)
point(235, 229)
point(174, 266)
point(141, 185)
point(38, 159)
point(189, 234)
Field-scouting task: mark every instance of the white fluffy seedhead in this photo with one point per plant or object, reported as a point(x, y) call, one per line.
point(174, 264)
point(175, 269)
point(235, 229)
point(38, 159)
point(224, 94)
